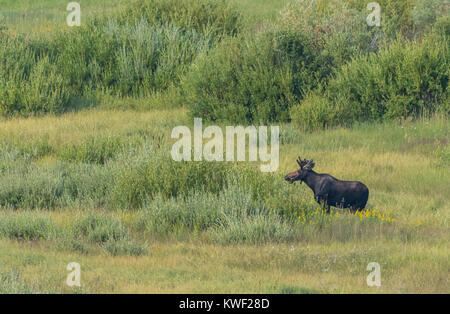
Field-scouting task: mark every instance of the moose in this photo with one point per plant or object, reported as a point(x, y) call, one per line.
point(329, 191)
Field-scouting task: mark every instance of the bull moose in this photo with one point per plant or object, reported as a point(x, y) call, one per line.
point(329, 191)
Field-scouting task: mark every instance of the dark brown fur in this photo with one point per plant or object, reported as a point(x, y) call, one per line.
point(329, 191)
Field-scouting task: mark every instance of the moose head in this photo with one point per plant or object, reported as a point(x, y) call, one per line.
point(300, 174)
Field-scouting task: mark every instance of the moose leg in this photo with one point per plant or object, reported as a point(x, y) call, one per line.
point(326, 205)
point(323, 201)
point(357, 207)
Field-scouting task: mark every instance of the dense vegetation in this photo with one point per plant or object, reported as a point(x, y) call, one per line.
point(141, 50)
point(326, 47)
point(319, 64)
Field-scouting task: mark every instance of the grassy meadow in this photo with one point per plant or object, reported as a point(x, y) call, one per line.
point(85, 168)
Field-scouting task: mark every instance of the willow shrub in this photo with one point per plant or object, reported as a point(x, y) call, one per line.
point(254, 79)
point(29, 82)
point(144, 48)
point(130, 59)
point(258, 78)
point(139, 52)
point(408, 79)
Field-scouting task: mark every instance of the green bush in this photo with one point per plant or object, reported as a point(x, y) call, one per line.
point(314, 112)
point(337, 30)
point(145, 173)
point(442, 27)
point(254, 79)
point(124, 247)
point(26, 226)
point(99, 228)
point(139, 52)
point(93, 150)
point(407, 18)
point(130, 59)
point(257, 79)
point(404, 80)
point(426, 13)
point(45, 92)
point(29, 83)
point(396, 16)
point(145, 48)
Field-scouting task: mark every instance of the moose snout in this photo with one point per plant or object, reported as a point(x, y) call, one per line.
point(292, 177)
point(289, 178)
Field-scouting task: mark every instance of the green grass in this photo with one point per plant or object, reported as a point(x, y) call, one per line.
point(258, 12)
point(200, 268)
point(404, 164)
point(44, 16)
point(47, 15)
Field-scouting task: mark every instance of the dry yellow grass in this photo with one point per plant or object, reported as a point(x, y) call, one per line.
point(72, 128)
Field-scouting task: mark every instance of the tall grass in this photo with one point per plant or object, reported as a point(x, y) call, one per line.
point(122, 182)
point(209, 18)
point(12, 282)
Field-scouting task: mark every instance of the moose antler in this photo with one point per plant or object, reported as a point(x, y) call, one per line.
point(301, 162)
